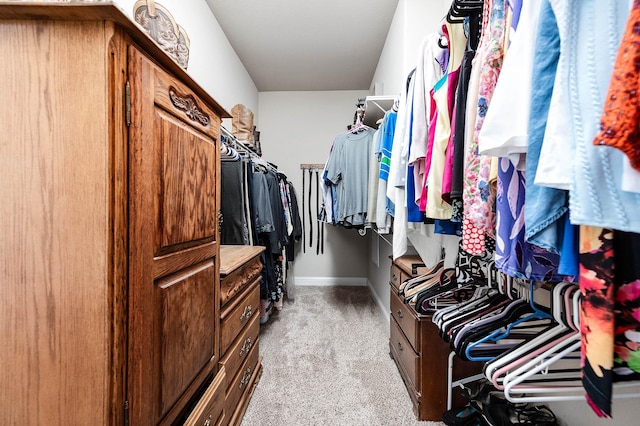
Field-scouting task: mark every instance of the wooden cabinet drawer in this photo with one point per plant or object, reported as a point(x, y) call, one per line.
point(209, 408)
point(241, 348)
point(238, 314)
point(396, 278)
point(405, 354)
point(407, 319)
point(239, 279)
point(241, 382)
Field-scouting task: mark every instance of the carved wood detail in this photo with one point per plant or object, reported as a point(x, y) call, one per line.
point(239, 280)
point(188, 104)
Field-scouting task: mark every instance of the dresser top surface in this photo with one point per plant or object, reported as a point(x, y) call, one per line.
point(408, 262)
point(233, 256)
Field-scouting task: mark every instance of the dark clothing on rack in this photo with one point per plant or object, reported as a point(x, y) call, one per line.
point(278, 238)
point(233, 227)
point(459, 126)
point(295, 218)
point(270, 224)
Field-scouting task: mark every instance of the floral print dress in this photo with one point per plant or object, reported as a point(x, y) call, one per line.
point(478, 196)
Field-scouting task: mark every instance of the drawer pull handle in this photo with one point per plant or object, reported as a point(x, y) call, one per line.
point(245, 378)
point(400, 346)
point(248, 312)
point(208, 421)
point(246, 346)
point(400, 314)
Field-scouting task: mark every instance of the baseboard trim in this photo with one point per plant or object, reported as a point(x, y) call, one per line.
point(331, 281)
point(384, 309)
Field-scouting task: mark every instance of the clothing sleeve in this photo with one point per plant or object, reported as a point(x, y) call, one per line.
point(335, 164)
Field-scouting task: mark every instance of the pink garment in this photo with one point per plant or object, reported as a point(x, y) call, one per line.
point(478, 196)
point(443, 100)
point(427, 161)
point(447, 176)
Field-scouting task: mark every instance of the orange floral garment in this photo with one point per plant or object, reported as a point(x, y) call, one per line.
point(620, 120)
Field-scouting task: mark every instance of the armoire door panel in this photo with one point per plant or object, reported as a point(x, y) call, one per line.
point(186, 185)
point(173, 262)
point(186, 319)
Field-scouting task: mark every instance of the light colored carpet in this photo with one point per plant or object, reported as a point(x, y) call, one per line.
point(326, 362)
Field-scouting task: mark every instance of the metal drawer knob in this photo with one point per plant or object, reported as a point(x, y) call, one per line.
point(248, 312)
point(400, 315)
point(245, 378)
point(208, 421)
point(246, 346)
point(400, 346)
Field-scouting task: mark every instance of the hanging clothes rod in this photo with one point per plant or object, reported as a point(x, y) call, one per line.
point(312, 166)
point(238, 145)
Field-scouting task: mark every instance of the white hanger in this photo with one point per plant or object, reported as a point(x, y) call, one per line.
point(522, 351)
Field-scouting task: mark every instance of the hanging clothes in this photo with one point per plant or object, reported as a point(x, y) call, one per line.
point(396, 185)
point(233, 227)
point(384, 206)
point(610, 324)
point(443, 97)
point(374, 173)
point(430, 67)
point(478, 196)
point(347, 170)
point(459, 124)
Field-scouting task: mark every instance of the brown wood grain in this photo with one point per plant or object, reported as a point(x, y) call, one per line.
point(110, 255)
point(244, 264)
point(423, 359)
point(105, 11)
point(119, 240)
point(233, 257)
point(240, 386)
point(210, 407)
point(56, 244)
point(173, 314)
point(237, 314)
point(238, 352)
point(185, 186)
point(185, 341)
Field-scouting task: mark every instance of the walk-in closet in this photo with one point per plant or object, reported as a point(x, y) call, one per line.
point(322, 212)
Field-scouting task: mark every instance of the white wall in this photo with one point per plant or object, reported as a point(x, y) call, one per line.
point(412, 21)
point(299, 128)
point(213, 63)
point(390, 69)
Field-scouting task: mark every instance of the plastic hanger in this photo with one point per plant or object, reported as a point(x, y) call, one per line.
point(536, 313)
point(555, 336)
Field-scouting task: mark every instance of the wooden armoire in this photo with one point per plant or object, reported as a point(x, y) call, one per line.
point(109, 247)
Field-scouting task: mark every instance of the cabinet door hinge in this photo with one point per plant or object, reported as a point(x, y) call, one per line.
point(127, 103)
point(126, 413)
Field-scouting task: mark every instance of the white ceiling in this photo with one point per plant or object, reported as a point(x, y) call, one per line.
point(307, 44)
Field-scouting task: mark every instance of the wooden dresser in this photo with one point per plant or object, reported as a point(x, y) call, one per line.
point(109, 164)
point(418, 351)
point(240, 274)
